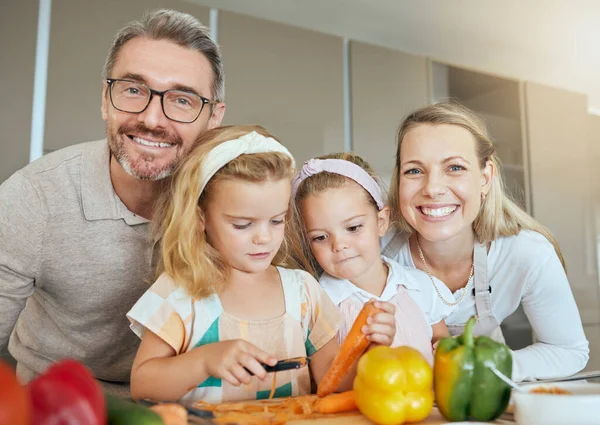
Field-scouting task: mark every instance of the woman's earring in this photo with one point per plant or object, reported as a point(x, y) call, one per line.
point(482, 197)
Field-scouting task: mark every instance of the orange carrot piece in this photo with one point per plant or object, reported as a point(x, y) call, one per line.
point(336, 403)
point(171, 413)
point(273, 386)
point(352, 348)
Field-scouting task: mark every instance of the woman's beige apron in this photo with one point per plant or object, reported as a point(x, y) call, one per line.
point(486, 324)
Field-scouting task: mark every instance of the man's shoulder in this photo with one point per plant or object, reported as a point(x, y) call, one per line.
point(62, 158)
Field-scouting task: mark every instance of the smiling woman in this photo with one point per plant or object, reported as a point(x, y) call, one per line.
point(453, 220)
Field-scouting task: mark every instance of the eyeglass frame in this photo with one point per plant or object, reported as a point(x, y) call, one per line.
point(158, 93)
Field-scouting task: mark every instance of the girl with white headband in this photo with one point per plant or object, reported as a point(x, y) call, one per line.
point(228, 299)
point(343, 215)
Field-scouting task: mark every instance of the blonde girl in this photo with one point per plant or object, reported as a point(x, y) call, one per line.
point(228, 300)
point(342, 216)
point(455, 222)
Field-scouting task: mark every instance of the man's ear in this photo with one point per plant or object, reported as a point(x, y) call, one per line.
point(383, 220)
point(217, 115)
point(105, 101)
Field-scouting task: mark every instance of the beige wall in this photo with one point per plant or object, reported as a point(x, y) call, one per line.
point(18, 32)
point(498, 101)
point(385, 85)
point(557, 123)
point(592, 330)
point(78, 48)
point(563, 147)
point(290, 80)
point(287, 79)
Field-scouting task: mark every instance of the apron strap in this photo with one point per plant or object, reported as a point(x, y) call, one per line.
point(486, 321)
point(393, 246)
point(482, 288)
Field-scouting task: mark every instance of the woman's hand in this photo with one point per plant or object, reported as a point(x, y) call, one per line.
point(381, 327)
point(235, 360)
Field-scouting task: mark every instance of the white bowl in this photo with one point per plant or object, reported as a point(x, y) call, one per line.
point(581, 407)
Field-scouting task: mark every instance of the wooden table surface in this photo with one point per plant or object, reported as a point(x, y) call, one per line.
point(435, 418)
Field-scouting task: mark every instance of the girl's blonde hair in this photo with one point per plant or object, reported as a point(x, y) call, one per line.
point(318, 183)
point(178, 223)
point(498, 215)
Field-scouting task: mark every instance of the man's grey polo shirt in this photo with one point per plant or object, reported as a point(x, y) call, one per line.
point(73, 261)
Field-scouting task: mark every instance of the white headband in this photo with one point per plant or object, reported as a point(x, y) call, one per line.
point(227, 151)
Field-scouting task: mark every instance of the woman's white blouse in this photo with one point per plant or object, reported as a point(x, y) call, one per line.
point(525, 269)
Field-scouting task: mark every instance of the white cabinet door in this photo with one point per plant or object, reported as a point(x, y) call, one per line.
point(386, 86)
point(560, 176)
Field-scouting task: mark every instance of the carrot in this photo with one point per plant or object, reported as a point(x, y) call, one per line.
point(171, 413)
point(336, 403)
point(273, 386)
point(353, 346)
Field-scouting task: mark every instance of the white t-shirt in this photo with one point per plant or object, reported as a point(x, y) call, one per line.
point(525, 269)
point(416, 282)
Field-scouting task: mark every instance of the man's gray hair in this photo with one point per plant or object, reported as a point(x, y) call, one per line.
point(179, 28)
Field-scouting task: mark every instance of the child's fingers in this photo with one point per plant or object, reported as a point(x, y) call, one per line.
point(380, 339)
point(379, 329)
point(385, 318)
point(228, 376)
point(253, 366)
point(260, 355)
point(241, 374)
point(385, 306)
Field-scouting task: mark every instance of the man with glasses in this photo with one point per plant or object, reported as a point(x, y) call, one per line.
point(75, 252)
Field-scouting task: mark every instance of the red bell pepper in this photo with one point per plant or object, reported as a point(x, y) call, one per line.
point(67, 394)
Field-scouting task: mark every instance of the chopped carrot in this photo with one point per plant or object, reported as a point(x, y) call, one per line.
point(251, 419)
point(171, 413)
point(281, 410)
point(352, 348)
point(273, 386)
point(336, 403)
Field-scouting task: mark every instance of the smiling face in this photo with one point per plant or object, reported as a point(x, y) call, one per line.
point(245, 221)
point(148, 145)
point(343, 228)
point(441, 181)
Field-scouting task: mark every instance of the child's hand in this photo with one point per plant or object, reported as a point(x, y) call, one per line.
point(434, 347)
point(381, 327)
point(233, 361)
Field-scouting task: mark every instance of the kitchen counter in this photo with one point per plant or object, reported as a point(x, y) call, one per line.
point(435, 418)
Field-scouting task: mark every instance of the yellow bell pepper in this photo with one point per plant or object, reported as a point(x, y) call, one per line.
point(394, 385)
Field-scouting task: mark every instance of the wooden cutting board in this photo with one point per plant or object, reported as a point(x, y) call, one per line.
point(435, 418)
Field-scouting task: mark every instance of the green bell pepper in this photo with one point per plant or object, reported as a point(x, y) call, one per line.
point(465, 389)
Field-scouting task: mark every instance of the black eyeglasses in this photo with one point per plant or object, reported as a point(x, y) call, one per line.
point(177, 105)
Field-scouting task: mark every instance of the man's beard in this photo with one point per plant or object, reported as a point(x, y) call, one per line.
point(142, 168)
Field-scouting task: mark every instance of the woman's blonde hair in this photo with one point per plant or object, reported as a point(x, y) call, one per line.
point(178, 222)
point(318, 183)
point(498, 215)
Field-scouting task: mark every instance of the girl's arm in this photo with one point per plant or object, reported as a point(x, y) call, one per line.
point(561, 348)
point(159, 374)
point(440, 330)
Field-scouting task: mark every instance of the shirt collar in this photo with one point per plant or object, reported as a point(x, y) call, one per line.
point(99, 199)
point(341, 289)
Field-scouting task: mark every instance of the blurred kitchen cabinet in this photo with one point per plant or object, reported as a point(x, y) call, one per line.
point(498, 101)
point(287, 79)
point(77, 51)
point(542, 138)
point(557, 125)
point(18, 33)
point(386, 85)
